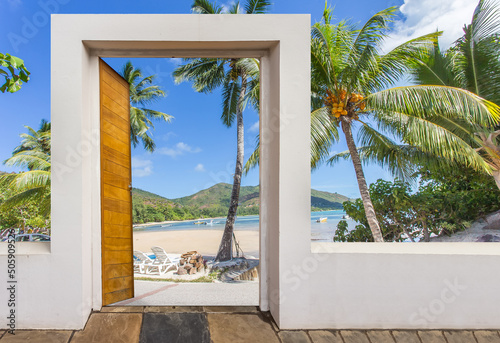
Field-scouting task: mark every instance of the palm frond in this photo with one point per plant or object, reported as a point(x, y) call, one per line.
point(476, 62)
point(397, 63)
point(425, 101)
point(257, 6)
point(324, 134)
point(364, 48)
point(486, 20)
point(230, 96)
point(30, 179)
point(40, 195)
point(205, 7)
point(143, 92)
point(157, 115)
point(207, 74)
point(434, 139)
point(435, 70)
point(30, 160)
point(254, 159)
point(235, 8)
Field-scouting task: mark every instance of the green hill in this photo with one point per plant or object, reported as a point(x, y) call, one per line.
point(139, 193)
point(219, 195)
point(326, 200)
point(213, 202)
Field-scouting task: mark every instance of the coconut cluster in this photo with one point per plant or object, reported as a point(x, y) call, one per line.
point(342, 103)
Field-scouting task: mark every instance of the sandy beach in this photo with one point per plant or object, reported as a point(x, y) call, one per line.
point(206, 242)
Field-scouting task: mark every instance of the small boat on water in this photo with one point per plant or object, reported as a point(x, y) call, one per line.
point(200, 222)
point(166, 225)
point(321, 220)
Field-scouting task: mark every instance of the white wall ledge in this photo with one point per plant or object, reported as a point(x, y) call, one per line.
point(432, 248)
point(26, 248)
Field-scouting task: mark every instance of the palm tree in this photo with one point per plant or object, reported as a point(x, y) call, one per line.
point(238, 79)
point(38, 140)
point(34, 184)
point(143, 92)
point(350, 79)
point(472, 63)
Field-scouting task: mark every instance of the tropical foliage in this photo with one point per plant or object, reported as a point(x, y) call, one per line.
point(238, 79)
point(471, 63)
point(350, 80)
point(33, 185)
point(14, 71)
point(19, 191)
point(446, 201)
point(26, 215)
point(143, 92)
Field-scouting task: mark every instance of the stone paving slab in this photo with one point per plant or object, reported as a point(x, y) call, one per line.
point(324, 336)
point(173, 309)
point(380, 336)
point(175, 328)
point(110, 327)
point(459, 336)
point(406, 336)
point(243, 328)
point(37, 336)
point(122, 309)
point(293, 337)
point(487, 336)
point(354, 336)
point(231, 309)
point(433, 336)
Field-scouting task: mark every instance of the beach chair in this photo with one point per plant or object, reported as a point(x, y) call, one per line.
point(141, 262)
point(163, 261)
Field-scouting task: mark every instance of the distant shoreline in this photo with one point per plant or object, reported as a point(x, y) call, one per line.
point(145, 225)
point(175, 221)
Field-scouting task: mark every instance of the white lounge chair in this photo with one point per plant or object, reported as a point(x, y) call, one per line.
point(163, 261)
point(141, 262)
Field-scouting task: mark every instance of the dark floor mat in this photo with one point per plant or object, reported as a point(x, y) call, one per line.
point(175, 328)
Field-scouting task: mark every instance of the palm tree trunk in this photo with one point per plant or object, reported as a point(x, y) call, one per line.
point(363, 188)
point(226, 245)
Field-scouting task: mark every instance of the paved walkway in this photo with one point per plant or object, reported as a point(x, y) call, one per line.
point(222, 325)
point(159, 293)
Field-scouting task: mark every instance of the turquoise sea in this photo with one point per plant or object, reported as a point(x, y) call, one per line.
point(319, 231)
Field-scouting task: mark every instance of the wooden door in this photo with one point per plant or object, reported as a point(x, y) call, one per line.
point(116, 178)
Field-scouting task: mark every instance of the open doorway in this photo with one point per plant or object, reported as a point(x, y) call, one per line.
point(182, 171)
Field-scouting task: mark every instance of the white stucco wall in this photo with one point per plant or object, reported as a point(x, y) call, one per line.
point(59, 284)
point(319, 286)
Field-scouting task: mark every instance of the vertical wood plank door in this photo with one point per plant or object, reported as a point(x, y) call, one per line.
point(116, 178)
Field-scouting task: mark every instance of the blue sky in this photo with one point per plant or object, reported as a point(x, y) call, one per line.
point(195, 150)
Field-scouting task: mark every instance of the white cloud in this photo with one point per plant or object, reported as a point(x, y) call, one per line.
point(168, 135)
point(141, 167)
point(175, 61)
point(254, 128)
point(227, 6)
point(427, 16)
point(200, 168)
point(179, 149)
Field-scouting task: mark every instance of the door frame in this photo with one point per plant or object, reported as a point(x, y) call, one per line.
point(267, 134)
